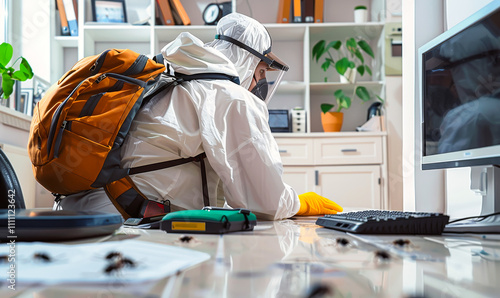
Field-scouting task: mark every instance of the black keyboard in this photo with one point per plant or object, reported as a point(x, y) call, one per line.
point(386, 222)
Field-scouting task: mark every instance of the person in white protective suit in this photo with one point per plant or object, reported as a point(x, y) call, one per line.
point(218, 117)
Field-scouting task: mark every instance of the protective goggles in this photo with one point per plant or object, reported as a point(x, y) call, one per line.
point(277, 68)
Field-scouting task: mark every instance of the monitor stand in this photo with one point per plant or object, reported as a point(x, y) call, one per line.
point(489, 185)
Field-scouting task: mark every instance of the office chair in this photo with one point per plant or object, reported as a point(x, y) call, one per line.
point(9, 185)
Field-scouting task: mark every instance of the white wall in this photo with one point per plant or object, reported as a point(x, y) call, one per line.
point(35, 36)
point(422, 191)
point(393, 111)
point(459, 10)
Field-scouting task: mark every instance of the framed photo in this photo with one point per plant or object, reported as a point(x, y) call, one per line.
point(40, 86)
point(109, 11)
point(14, 98)
point(26, 101)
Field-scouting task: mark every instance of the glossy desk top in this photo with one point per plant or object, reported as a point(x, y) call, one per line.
point(296, 258)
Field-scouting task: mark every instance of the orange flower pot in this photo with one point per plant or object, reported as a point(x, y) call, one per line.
point(332, 121)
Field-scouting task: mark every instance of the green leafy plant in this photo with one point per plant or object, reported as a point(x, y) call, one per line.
point(9, 73)
point(343, 57)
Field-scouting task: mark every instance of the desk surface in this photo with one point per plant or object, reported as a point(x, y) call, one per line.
point(294, 258)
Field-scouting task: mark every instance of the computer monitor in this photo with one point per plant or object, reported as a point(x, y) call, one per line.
point(460, 101)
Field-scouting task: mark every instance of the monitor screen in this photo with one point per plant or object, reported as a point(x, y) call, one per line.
point(461, 95)
point(279, 121)
point(460, 108)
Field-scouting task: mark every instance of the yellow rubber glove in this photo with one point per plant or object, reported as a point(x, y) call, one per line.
point(313, 204)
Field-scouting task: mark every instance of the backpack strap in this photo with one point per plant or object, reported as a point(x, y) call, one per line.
point(131, 202)
point(158, 58)
point(207, 76)
point(172, 163)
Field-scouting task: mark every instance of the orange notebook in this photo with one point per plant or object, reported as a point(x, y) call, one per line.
point(318, 11)
point(297, 13)
point(284, 11)
point(179, 13)
point(165, 12)
point(62, 16)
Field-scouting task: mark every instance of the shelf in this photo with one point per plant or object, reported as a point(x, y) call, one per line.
point(353, 134)
point(118, 33)
point(291, 87)
point(14, 118)
point(67, 41)
point(169, 33)
point(329, 88)
point(286, 32)
point(343, 30)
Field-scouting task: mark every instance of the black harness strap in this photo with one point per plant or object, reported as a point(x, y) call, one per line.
point(177, 162)
point(165, 164)
point(206, 199)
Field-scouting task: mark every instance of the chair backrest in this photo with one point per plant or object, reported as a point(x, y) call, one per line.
point(10, 188)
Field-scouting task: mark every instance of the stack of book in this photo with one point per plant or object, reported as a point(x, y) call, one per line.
point(300, 11)
point(171, 12)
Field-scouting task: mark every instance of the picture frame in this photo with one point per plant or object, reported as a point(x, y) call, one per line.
point(109, 11)
point(13, 100)
point(26, 101)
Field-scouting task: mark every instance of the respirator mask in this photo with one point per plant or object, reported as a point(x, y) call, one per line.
point(276, 68)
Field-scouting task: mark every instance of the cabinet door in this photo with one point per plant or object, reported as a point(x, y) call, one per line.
point(350, 186)
point(301, 179)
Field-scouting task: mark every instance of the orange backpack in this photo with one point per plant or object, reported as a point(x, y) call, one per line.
point(84, 118)
point(78, 127)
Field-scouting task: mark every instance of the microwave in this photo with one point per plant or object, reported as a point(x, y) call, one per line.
point(279, 121)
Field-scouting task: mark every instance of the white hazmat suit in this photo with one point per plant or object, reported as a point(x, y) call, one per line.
point(217, 117)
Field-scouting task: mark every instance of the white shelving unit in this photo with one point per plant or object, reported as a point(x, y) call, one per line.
point(303, 86)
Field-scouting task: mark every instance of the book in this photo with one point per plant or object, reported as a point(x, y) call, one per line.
point(179, 13)
point(284, 11)
point(75, 5)
point(62, 17)
point(71, 17)
point(297, 12)
point(318, 11)
point(164, 12)
point(308, 11)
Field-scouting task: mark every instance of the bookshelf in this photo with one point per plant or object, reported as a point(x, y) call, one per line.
point(303, 85)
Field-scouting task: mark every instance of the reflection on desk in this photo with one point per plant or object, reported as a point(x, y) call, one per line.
point(297, 258)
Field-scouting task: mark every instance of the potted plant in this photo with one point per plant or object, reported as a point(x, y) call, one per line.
point(360, 14)
point(9, 73)
point(347, 57)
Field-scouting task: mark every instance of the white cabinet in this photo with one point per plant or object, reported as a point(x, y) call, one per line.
point(348, 168)
point(350, 186)
point(302, 179)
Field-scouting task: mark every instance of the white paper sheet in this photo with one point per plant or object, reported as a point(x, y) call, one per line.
point(86, 263)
